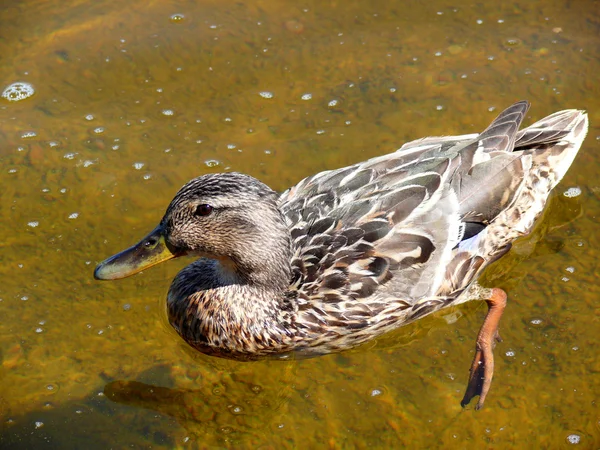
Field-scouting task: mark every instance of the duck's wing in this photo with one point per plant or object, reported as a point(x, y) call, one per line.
point(393, 226)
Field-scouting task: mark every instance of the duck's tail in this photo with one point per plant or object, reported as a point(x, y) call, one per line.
point(547, 148)
point(554, 142)
point(508, 189)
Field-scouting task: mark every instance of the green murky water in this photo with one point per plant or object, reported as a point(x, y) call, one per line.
point(135, 98)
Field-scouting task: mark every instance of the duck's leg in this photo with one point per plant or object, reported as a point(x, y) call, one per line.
point(482, 369)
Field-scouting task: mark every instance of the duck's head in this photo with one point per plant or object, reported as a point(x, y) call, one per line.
point(229, 217)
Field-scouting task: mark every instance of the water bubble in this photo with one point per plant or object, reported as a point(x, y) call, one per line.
point(235, 409)
point(177, 18)
point(266, 94)
point(513, 42)
point(28, 134)
point(212, 162)
point(573, 439)
point(39, 424)
point(33, 224)
point(572, 192)
point(89, 117)
point(167, 112)
point(73, 215)
point(375, 392)
point(138, 165)
point(126, 307)
point(18, 91)
point(306, 96)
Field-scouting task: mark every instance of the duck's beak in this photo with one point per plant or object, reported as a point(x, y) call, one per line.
point(148, 252)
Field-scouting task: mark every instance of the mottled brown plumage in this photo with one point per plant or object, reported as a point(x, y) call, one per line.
point(349, 254)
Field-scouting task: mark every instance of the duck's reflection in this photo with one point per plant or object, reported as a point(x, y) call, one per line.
point(226, 405)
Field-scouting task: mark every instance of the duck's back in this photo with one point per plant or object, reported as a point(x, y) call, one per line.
point(404, 234)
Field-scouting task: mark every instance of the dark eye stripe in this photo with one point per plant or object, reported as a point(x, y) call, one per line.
point(203, 210)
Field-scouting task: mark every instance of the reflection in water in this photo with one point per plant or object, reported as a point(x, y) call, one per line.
point(545, 239)
point(236, 408)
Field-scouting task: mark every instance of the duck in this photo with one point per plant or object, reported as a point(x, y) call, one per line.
point(349, 254)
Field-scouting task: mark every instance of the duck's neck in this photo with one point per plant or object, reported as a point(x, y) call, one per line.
point(224, 309)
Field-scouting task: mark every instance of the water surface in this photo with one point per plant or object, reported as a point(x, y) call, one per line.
point(132, 99)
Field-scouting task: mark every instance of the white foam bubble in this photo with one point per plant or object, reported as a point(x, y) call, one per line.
point(18, 91)
point(572, 192)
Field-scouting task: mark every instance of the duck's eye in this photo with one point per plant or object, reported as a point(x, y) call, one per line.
point(203, 210)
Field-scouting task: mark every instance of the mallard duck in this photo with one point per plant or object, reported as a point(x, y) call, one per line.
point(348, 254)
